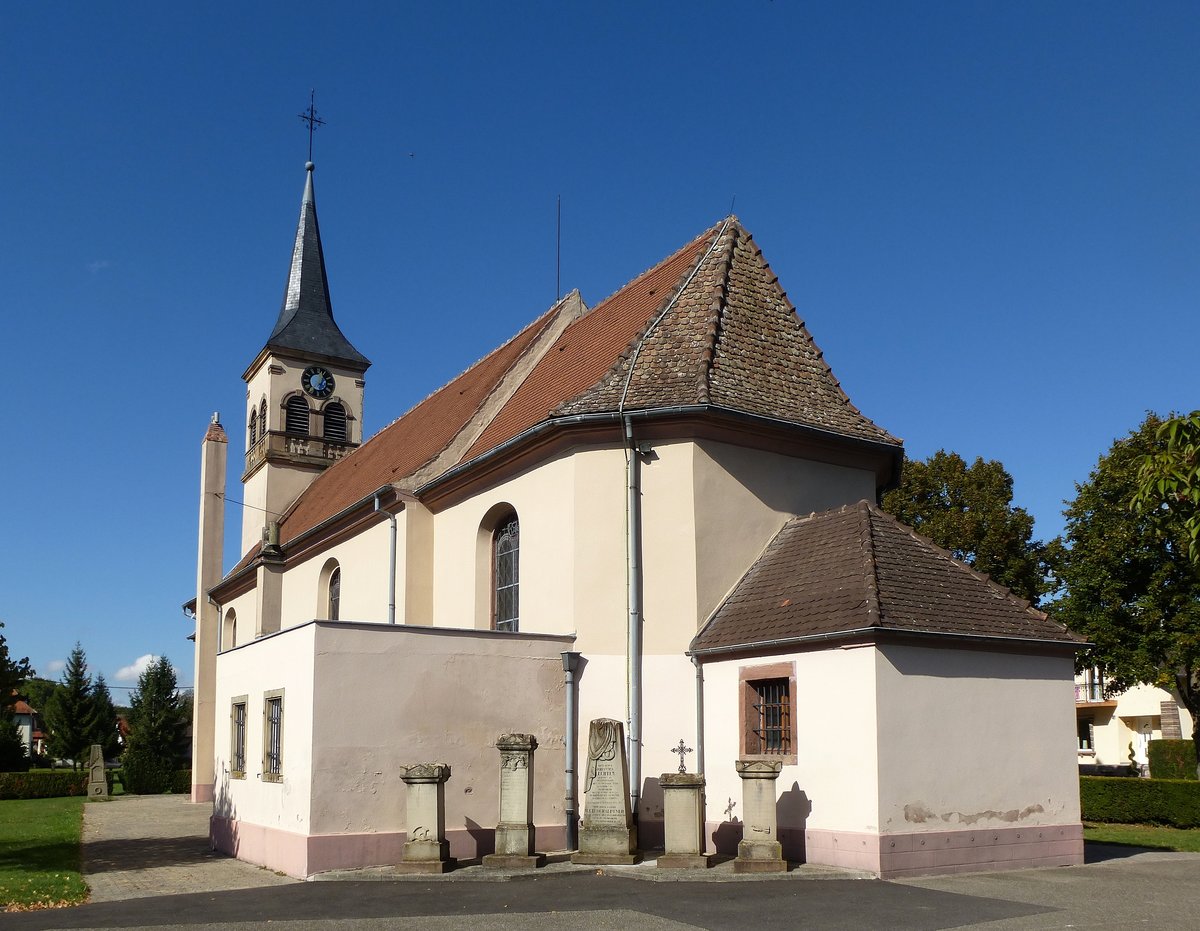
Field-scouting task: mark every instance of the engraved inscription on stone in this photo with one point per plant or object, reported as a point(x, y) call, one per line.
point(513, 791)
point(606, 799)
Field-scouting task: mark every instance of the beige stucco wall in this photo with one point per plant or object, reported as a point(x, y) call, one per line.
point(1138, 711)
point(974, 738)
point(282, 661)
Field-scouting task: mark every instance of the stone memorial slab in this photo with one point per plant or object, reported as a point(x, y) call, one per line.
point(426, 850)
point(514, 833)
point(607, 834)
point(683, 828)
point(97, 779)
point(759, 850)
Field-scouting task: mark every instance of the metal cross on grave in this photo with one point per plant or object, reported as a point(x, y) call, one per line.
point(681, 750)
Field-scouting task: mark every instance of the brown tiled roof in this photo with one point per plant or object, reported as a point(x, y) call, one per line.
point(857, 568)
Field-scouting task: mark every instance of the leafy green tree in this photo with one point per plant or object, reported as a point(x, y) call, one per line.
point(968, 510)
point(157, 729)
point(70, 715)
point(106, 719)
point(1129, 587)
point(13, 673)
point(37, 692)
point(1169, 479)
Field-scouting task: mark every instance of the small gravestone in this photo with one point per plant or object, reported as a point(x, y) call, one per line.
point(514, 833)
point(683, 817)
point(607, 835)
point(759, 850)
point(426, 850)
point(97, 780)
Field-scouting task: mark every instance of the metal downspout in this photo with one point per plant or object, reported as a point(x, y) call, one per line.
point(570, 663)
point(633, 538)
point(391, 560)
point(699, 715)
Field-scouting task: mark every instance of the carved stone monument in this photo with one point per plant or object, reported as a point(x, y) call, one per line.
point(426, 850)
point(683, 830)
point(759, 850)
point(97, 780)
point(607, 835)
point(514, 833)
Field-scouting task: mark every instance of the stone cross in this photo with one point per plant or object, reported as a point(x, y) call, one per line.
point(681, 750)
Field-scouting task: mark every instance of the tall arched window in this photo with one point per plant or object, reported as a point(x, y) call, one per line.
point(335, 422)
point(253, 426)
point(229, 632)
point(262, 417)
point(329, 591)
point(297, 416)
point(335, 593)
point(506, 574)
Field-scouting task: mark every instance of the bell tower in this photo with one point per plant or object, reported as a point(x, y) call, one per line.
point(304, 389)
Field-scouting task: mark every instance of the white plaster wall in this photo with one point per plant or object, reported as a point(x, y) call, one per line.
point(668, 549)
point(281, 661)
point(968, 737)
point(246, 607)
point(837, 763)
point(743, 497)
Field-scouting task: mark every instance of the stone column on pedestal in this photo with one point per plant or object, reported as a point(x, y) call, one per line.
point(426, 850)
point(608, 834)
point(759, 850)
point(514, 833)
point(683, 829)
point(97, 780)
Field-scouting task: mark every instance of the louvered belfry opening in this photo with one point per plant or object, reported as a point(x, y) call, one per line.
point(297, 416)
point(262, 417)
point(335, 423)
point(253, 428)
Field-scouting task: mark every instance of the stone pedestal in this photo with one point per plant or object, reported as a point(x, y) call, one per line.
point(607, 834)
point(427, 850)
point(97, 780)
point(514, 833)
point(683, 829)
point(759, 850)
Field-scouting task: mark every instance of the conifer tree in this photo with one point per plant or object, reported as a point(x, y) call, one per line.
point(70, 715)
point(156, 730)
point(106, 719)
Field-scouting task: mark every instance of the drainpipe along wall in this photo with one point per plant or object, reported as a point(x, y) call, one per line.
point(391, 560)
point(633, 537)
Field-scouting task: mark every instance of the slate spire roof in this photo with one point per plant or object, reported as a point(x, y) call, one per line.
point(305, 323)
point(856, 569)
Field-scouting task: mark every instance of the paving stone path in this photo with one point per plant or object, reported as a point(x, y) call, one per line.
point(136, 846)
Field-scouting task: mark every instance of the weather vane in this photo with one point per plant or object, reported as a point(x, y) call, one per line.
point(310, 117)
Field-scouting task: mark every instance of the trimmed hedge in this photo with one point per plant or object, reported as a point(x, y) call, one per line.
point(1173, 802)
point(1172, 759)
point(181, 782)
point(54, 784)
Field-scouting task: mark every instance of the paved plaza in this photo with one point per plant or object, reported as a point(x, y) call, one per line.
point(149, 865)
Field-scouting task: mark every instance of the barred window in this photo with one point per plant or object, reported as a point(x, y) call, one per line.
point(335, 422)
point(772, 717)
point(237, 743)
point(273, 737)
point(297, 416)
point(506, 571)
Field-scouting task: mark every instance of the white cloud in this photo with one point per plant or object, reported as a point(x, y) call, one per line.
point(95, 266)
point(55, 666)
point(131, 672)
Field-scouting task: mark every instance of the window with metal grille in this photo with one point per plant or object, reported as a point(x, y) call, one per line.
point(335, 593)
point(273, 734)
point(297, 416)
point(506, 571)
point(237, 752)
point(772, 712)
point(335, 423)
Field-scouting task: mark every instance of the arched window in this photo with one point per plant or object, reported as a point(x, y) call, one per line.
point(335, 422)
point(506, 574)
point(253, 426)
point(335, 593)
point(329, 591)
point(297, 416)
point(229, 630)
point(262, 417)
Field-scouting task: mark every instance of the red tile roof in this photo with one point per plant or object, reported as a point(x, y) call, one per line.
point(857, 568)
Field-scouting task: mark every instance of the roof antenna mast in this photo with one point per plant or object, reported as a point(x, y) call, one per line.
point(310, 117)
point(558, 255)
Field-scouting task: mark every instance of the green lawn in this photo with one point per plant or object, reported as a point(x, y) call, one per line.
point(1144, 835)
point(39, 853)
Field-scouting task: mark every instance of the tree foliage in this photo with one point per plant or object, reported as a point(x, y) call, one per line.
point(70, 715)
point(968, 510)
point(1169, 479)
point(1130, 589)
point(105, 714)
point(37, 692)
point(157, 728)
point(13, 673)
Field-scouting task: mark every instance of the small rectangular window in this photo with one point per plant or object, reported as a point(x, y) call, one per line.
point(1086, 734)
point(237, 738)
point(273, 736)
point(767, 698)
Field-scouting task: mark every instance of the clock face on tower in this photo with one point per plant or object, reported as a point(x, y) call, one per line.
point(317, 381)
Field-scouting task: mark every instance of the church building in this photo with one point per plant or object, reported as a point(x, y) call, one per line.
point(659, 509)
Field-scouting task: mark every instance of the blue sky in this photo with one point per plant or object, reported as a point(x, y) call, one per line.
point(988, 214)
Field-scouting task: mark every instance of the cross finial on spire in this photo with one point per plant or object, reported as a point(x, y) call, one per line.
point(310, 117)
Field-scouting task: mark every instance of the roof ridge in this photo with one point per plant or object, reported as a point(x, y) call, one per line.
point(872, 566)
point(717, 307)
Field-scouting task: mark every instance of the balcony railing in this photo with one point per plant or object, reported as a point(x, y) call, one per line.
point(276, 443)
point(1089, 692)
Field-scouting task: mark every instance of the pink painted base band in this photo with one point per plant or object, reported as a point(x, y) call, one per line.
point(201, 794)
point(302, 855)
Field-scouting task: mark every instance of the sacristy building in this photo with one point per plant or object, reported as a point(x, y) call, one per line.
point(667, 494)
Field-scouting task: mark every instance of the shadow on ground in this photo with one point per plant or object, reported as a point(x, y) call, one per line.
point(1095, 851)
point(139, 853)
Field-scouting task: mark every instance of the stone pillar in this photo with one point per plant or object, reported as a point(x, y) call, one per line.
point(759, 850)
point(683, 830)
point(208, 618)
point(514, 833)
point(427, 850)
point(97, 780)
point(608, 834)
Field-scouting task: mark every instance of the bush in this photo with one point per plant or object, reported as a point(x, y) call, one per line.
point(181, 782)
point(1174, 802)
point(1172, 759)
point(146, 773)
point(42, 784)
